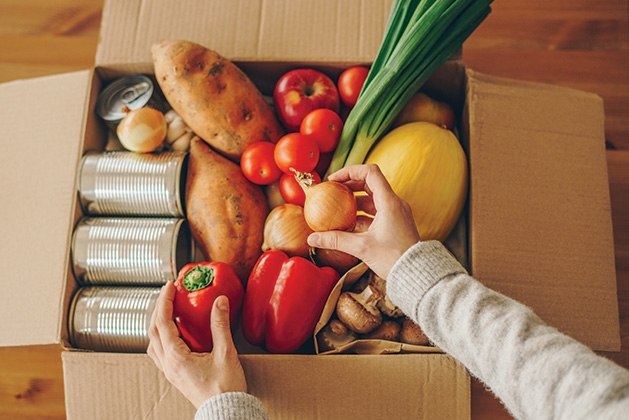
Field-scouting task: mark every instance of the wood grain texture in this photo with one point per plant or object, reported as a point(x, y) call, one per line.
point(582, 44)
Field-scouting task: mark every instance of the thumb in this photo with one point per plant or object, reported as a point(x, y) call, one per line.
point(220, 324)
point(335, 239)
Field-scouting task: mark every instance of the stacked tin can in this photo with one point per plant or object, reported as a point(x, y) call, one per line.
point(133, 239)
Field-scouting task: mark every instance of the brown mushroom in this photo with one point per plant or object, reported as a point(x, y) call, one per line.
point(334, 335)
point(411, 333)
point(388, 330)
point(358, 311)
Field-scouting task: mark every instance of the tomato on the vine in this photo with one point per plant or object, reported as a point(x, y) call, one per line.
point(258, 163)
point(350, 83)
point(325, 126)
point(297, 151)
point(291, 191)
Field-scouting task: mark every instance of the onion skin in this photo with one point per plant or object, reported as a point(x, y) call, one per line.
point(330, 205)
point(142, 130)
point(286, 229)
point(338, 260)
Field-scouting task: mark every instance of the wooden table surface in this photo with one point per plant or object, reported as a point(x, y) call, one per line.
point(583, 44)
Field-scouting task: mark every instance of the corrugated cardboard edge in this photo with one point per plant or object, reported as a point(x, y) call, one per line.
point(119, 386)
point(358, 387)
point(539, 151)
point(246, 30)
point(45, 118)
point(392, 386)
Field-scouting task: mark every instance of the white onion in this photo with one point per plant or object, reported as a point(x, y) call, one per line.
point(142, 130)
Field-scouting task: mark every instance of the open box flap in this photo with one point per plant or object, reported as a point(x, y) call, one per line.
point(42, 124)
point(540, 214)
point(246, 30)
point(303, 387)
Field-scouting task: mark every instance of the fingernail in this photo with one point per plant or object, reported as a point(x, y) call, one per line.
point(313, 239)
point(222, 303)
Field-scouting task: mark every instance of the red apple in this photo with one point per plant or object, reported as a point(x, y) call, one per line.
point(300, 91)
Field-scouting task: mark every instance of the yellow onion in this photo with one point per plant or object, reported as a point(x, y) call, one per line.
point(338, 260)
point(329, 205)
point(142, 130)
point(286, 229)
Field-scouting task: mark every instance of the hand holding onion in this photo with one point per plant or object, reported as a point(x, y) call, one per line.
point(385, 237)
point(329, 205)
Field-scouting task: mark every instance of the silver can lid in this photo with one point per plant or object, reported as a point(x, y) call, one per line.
point(132, 92)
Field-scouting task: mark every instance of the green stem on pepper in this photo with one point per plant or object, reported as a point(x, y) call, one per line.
point(198, 278)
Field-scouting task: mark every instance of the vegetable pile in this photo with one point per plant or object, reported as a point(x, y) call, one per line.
point(362, 312)
point(256, 187)
point(420, 36)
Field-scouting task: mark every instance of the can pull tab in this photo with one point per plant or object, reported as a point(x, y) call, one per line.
point(132, 93)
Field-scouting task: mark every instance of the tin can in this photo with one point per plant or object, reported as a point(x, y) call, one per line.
point(111, 319)
point(122, 183)
point(130, 251)
point(133, 92)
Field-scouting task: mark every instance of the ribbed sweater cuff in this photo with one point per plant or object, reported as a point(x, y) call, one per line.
point(421, 266)
point(232, 405)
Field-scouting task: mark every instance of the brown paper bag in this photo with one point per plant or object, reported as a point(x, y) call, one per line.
point(360, 346)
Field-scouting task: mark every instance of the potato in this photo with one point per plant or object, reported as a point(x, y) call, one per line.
point(214, 97)
point(225, 211)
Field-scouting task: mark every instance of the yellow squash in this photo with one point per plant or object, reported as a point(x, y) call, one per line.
point(426, 166)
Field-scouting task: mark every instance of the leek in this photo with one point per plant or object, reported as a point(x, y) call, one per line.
point(420, 36)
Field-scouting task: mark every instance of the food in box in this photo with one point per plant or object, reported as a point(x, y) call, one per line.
point(208, 226)
point(505, 230)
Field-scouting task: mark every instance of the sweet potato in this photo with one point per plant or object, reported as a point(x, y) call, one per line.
point(214, 97)
point(225, 211)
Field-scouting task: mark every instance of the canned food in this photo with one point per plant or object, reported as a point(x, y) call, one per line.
point(130, 92)
point(112, 319)
point(122, 183)
point(130, 251)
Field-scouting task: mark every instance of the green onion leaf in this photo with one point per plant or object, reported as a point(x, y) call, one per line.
point(419, 37)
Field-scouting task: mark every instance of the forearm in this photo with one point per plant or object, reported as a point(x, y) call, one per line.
point(535, 370)
point(232, 406)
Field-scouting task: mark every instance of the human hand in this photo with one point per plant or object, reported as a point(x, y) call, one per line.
point(379, 241)
point(198, 376)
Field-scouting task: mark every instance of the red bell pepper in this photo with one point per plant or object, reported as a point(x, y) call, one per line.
point(284, 300)
point(198, 285)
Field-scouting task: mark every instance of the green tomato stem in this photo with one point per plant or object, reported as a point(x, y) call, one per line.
point(198, 278)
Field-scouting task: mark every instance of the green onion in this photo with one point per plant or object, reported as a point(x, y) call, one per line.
point(420, 36)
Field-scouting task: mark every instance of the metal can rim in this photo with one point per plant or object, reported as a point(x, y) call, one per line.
point(114, 87)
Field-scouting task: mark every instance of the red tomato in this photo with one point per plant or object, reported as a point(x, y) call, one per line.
point(350, 83)
point(325, 126)
point(258, 163)
point(297, 151)
point(291, 191)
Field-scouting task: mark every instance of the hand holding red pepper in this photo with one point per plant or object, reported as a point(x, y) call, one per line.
point(198, 376)
point(284, 300)
point(198, 285)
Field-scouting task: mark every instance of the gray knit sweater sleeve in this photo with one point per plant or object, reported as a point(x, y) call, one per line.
point(537, 372)
point(232, 406)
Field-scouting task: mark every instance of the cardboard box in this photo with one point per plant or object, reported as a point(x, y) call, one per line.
point(539, 219)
